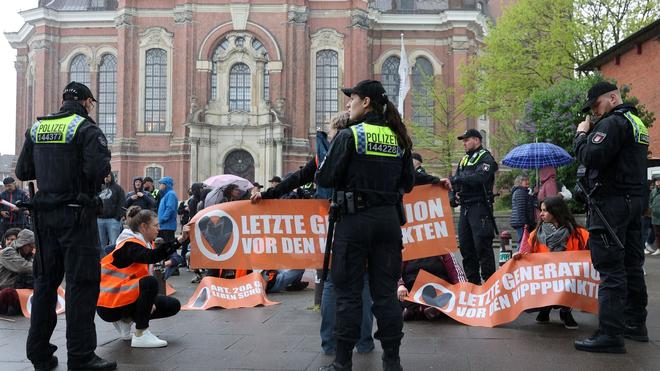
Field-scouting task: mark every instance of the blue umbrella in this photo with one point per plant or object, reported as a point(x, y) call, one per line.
point(537, 156)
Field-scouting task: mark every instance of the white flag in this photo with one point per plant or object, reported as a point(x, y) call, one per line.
point(404, 83)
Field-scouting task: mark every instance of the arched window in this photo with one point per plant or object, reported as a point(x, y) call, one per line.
point(327, 81)
point(259, 47)
point(107, 105)
point(239, 88)
point(155, 99)
point(221, 48)
point(79, 70)
point(422, 84)
point(155, 172)
point(390, 78)
point(240, 162)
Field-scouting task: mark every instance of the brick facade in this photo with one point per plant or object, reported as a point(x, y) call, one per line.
point(203, 136)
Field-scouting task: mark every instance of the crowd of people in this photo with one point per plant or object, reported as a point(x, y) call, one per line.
point(137, 230)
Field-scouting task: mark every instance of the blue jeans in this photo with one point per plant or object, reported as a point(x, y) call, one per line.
point(285, 277)
point(519, 232)
point(328, 314)
point(176, 261)
point(109, 230)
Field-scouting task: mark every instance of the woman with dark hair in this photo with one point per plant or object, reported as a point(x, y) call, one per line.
point(128, 292)
point(557, 231)
point(370, 164)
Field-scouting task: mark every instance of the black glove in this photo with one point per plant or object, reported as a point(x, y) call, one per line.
point(435, 180)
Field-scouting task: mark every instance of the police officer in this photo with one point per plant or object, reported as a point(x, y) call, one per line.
point(614, 152)
point(473, 187)
point(67, 154)
point(369, 166)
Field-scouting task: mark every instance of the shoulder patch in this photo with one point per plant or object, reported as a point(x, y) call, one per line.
point(102, 141)
point(485, 167)
point(598, 137)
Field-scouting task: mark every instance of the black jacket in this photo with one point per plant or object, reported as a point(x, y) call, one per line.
point(421, 177)
point(381, 179)
point(112, 196)
point(522, 208)
point(65, 171)
point(472, 179)
point(612, 156)
point(298, 178)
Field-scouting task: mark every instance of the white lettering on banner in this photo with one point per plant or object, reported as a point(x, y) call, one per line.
point(297, 245)
point(547, 271)
point(259, 245)
point(241, 292)
point(575, 286)
point(318, 224)
point(423, 210)
point(272, 224)
point(424, 232)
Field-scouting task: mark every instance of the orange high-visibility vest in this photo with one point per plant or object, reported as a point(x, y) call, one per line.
point(120, 286)
point(573, 243)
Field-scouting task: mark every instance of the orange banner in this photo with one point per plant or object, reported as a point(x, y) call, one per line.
point(243, 292)
point(291, 234)
point(536, 280)
point(25, 297)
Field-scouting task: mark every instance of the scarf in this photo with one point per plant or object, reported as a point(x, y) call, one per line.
point(554, 238)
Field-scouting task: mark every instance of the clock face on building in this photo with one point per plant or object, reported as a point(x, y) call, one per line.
point(240, 163)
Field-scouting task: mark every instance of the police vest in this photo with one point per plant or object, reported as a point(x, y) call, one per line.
point(121, 286)
point(375, 140)
point(472, 160)
point(60, 130)
point(640, 131)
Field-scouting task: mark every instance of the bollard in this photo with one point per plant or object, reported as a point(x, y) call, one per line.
point(506, 249)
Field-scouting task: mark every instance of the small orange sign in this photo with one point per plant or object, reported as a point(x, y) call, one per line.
point(243, 292)
point(25, 297)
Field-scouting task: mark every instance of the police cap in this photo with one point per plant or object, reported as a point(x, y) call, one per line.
point(368, 88)
point(596, 91)
point(77, 91)
point(470, 133)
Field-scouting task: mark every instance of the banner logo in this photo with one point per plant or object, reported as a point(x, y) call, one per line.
point(217, 235)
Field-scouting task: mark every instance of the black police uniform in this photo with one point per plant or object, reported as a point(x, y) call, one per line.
point(614, 153)
point(69, 169)
point(368, 239)
point(473, 183)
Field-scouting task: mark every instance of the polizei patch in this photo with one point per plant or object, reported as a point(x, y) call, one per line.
point(598, 137)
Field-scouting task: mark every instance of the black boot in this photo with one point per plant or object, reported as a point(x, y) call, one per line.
point(391, 360)
point(637, 333)
point(602, 343)
point(51, 364)
point(95, 364)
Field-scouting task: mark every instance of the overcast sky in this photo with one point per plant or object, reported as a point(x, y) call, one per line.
point(10, 21)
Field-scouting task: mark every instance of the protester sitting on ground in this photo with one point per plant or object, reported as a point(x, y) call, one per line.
point(557, 231)
point(139, 197)
point(522, 206)
point(10, 236)
point(128, 293)
point(16, 271)
point(443, 266)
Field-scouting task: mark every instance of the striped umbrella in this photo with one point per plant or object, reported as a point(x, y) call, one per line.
point(537, 156)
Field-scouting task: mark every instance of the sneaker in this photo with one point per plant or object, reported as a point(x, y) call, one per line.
point(198, 277)
point(567, 318)
point(648, 248)
point(147, 340)
point(297, 286)
point(543, 316)
point(124, 329)
point(656, 252)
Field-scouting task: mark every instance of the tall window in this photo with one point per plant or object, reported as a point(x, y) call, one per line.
point(390, 78)
point(259, 47)
point(107, 105)
point(239, 88)
point(422, 83)
point(155, 172)
point(327, 85)
point(155, 100)
point(79, 70)
point(221, 48)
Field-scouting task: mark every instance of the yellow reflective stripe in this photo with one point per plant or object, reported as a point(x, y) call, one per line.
point(375, 140)
point(640, 130)
point(466, 161)
point(60, 130)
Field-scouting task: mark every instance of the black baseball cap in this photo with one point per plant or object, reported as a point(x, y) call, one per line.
point(276, 179)
point(470, 133)
point(257, 185)
point(417, 156)
point(8, 180)
point(368, 88)
point(77, 91)
point(596, 91)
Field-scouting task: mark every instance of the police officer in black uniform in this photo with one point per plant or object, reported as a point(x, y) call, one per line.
point(369, 166)
point(614, 151)
point(67, 154)
point(473, 189)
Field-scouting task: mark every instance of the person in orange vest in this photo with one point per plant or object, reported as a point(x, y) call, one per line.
point(557, 231)
point(128, 292)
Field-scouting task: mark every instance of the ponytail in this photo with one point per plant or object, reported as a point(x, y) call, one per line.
point(394, 122)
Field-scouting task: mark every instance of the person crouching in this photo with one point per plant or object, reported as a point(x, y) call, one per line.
point(128, 292)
